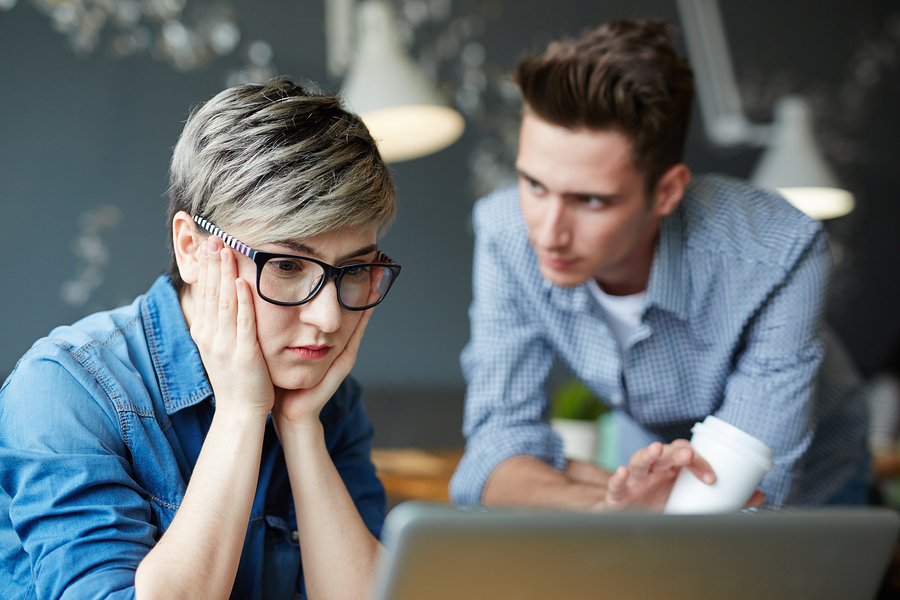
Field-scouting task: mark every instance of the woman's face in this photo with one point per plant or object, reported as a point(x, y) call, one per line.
point(300, 343)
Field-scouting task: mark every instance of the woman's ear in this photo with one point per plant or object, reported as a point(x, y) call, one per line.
point(670, 189)
point(186, 240)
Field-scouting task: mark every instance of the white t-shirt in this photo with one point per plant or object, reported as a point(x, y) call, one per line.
point(623, 313)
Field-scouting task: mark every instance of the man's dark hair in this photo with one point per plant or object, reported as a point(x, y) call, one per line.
point(623, 76)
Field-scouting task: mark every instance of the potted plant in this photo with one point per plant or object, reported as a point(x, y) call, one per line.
point(576, 415)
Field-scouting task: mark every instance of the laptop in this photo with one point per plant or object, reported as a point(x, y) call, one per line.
point(438, 552)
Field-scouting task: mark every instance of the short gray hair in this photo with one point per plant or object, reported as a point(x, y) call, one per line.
point(279, 162)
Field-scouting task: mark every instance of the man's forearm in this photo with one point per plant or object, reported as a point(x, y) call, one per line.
point(528, 481)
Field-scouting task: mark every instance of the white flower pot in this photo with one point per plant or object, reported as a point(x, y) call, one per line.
point(579, 438)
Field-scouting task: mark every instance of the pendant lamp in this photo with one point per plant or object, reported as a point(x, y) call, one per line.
point(400, 105)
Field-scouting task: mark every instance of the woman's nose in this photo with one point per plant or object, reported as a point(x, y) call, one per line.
point(324, 311)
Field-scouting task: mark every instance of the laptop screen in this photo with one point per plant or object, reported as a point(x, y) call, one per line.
point(437, 552)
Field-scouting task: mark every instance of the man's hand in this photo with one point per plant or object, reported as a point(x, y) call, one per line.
point(651, 472)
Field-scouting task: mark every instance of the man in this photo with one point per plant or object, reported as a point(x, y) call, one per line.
point(207, 441)
point(672, 298)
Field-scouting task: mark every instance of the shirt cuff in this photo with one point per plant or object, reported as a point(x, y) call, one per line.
point(487, 451)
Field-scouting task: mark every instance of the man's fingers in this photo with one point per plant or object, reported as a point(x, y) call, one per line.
point(756, 499)
point(641, 461)
point(617, 486)
point(700, 468)
point(679, 454)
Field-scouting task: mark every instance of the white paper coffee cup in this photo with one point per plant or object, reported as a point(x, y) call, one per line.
point(739, 460)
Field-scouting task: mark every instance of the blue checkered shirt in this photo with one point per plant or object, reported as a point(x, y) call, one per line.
point(733, 327)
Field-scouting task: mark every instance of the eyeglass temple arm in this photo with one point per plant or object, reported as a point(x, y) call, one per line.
point(381, 257)
point(246, 250)
point(236, 244)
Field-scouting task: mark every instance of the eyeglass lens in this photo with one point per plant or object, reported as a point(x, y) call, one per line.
point(293, 280)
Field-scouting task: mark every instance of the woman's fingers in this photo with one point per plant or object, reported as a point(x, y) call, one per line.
point(342, 365)
point(225, 332)
point(213, 281)
point(199, 290)
point(226, 307)
point(245, 334)
point(355, 339)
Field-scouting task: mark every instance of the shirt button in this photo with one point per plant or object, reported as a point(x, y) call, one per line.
point(616, 399)
point(295, 536)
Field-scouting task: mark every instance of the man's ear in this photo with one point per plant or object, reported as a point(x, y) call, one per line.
point(670, 189)
point(186, 240)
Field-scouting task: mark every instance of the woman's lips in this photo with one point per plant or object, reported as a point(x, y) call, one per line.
point(309, 352)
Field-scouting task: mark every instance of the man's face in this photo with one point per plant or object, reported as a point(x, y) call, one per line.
point(300, 343)
point(585, 206)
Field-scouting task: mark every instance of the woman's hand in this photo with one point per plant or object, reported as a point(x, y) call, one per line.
point(211, 522)
point(296, 408)
point(224, 328)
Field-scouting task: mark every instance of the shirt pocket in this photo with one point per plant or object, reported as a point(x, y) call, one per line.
point(155, 469)
point(282, 570)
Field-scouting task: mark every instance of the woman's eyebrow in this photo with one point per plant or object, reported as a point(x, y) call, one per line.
point(367, 249)
point(298, 247)
point(305, 250)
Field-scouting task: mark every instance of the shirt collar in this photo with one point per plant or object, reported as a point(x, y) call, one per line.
point(574, 298)
point(179, 369)
point(668, 284)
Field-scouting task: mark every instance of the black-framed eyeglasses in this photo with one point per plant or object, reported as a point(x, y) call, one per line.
point(291, 280)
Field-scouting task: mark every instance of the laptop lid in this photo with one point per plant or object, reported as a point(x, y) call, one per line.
point(438, 552)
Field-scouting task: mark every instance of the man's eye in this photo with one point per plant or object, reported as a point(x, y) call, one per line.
point(594, 202)
point(535, 186)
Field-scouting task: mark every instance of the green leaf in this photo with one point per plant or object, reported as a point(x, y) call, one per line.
point(573, 400)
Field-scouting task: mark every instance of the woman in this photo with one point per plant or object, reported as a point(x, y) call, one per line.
point(207, 440)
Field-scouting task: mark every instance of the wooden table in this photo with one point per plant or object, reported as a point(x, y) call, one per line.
point(416, 474)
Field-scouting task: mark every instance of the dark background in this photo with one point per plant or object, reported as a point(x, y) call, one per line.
point(85, 141)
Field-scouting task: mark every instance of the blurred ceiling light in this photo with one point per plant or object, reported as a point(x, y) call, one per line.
point(793, 165)
point(154, 27)
point(791, 162)
point(402, 108)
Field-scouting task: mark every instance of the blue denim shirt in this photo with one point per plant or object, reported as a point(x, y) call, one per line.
point(101, 424)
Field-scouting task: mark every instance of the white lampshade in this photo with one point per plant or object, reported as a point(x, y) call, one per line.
point(401, 107)
point(793, 165)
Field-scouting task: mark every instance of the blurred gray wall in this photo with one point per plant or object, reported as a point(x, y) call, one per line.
point(81, 134)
